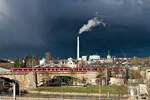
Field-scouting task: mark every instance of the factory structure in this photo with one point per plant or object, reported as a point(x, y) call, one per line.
point(86, 60)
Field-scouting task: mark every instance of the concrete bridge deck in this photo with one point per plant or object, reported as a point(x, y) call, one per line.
point(29, 80)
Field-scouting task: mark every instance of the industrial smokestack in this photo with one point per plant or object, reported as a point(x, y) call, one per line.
point(78, 56)
point(87, 27)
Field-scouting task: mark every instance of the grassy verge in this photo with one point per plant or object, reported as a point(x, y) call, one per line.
point(89, 89)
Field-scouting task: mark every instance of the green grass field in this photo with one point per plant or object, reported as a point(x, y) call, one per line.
point(89, 89)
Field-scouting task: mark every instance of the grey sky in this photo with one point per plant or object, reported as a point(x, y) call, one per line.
point(37, 26)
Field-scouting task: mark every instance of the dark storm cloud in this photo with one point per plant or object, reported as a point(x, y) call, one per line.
point(44, 25)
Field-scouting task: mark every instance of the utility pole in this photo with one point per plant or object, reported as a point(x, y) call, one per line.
point(99, 90)
point(106, 76)
point(14, 91)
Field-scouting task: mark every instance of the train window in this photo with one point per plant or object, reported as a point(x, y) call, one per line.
point(58, 69)
point(27, 69)
point(37, 69)
point(24, 69)
point(65, 69)
point(93, 69)
point(55, 69)
point(43, 69)
point(79, 69)
point(61, 69)
point(47, 69)
point(96, 69)
point(84, 69)
point(52, 69)
point(34, 69)
point(74, 69)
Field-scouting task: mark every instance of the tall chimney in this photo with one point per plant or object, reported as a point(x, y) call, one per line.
point(78, 48)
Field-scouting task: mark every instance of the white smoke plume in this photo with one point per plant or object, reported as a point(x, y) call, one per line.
point(91, 24)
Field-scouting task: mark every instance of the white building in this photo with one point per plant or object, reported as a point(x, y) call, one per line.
point(70, 63)
point(94, 58)
point(42, 61)
point(116, 81)
point(84, 58)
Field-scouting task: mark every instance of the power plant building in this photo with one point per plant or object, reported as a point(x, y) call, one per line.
point(94, 58)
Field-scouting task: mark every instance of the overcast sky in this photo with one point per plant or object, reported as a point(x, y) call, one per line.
point(37, 26)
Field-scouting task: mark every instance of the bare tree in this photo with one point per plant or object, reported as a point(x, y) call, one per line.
point(47, 57)
point(135, 74)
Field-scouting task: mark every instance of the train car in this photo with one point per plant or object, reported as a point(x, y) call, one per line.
point(65, 69)
point(85, 69)
point(51, 69)
point(115, 68)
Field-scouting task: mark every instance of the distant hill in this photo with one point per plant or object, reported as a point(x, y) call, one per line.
point(137, 61)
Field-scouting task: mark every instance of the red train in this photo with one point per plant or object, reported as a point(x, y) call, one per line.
point(52, 69)
point(65, 69)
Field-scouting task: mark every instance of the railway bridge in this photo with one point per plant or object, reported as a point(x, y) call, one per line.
point(30, 80)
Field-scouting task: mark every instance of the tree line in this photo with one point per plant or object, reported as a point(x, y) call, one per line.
point(29, 61)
